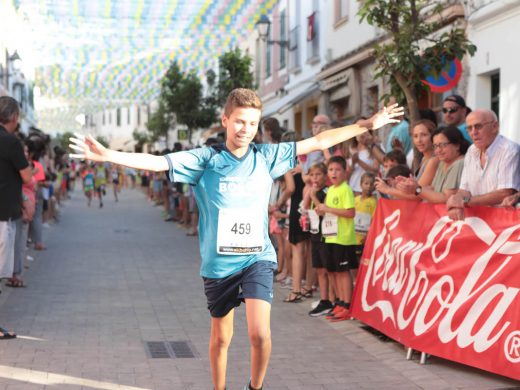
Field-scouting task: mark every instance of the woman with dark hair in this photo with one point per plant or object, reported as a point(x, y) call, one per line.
point(425, 162)
point(449, 146)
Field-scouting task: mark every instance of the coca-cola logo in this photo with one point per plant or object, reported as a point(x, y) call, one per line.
point(471, 310)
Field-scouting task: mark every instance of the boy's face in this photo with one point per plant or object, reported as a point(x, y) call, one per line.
point(336, 173)
point(241, 126)
point(387, 164)
point(317, 178)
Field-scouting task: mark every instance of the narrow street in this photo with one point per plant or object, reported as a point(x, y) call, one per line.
point(115, 278)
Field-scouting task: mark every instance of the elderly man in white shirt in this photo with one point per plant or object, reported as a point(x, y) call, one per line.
point(491, 166)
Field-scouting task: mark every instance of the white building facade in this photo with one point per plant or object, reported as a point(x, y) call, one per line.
point(330, 67)
point(494, 81)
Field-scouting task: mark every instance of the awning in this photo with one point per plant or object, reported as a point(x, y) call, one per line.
point(285, 103)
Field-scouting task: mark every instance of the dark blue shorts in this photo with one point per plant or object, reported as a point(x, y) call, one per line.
point(255, 281)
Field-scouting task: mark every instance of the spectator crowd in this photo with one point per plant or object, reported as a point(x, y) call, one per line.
point(320, 212)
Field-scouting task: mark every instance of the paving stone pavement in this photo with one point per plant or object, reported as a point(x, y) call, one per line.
point(117, 277)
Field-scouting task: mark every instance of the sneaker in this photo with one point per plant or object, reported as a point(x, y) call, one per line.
point(335, 310)
point(247, 387)
point(324, 307)
point(287, 283)
point(344, 315)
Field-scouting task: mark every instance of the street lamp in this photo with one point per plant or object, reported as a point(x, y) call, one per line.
point(16, 62)
point(263, 26)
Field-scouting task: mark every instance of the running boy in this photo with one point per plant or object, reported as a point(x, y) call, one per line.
point(88, 183)
point(232, 184)
point(340, 238)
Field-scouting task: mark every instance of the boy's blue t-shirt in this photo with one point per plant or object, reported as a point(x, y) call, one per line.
point(234, 193)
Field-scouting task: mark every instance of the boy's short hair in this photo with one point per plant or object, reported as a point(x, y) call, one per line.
point(338, 160)
point(398, 170)
point(243, 98)
point(396, 155)
point(320, 166)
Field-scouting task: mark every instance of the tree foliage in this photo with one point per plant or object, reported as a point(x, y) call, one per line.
point(234, 72)
point(102, 140)
point(416, 43)
point(184, 101)
point(160, 122)
point(63, 140)
point(182, 95)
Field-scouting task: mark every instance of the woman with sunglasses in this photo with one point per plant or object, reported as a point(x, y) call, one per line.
point(449, 146)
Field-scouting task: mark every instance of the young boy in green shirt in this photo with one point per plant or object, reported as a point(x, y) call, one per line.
point(340, 236)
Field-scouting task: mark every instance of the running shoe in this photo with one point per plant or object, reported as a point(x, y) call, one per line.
point(343, 315)
point(335, 310)
point(323, 307)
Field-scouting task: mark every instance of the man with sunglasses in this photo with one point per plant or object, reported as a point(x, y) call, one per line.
point(454, 111)
point(491, 166)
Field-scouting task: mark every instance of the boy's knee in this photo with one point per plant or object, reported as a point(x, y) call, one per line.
point(221, 340)
point(259, 337)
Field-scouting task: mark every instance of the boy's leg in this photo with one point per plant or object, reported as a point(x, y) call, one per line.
point(258, 313)
point(344, 285)
point(220, 338)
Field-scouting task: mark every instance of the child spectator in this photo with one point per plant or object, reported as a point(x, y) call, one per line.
point(393, 158)
point(338, 229)
point(365, 205)
point(317, 194)
point(387, 187)
point(279, 229)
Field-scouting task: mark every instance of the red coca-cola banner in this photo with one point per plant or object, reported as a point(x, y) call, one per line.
point(448, 288)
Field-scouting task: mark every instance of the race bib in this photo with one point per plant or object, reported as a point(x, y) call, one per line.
point(89, 181)
point(329, 225)
point(240, 231)
point(314, 221)
point(362, 221)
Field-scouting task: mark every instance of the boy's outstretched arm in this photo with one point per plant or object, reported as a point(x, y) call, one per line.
point(333, 137)
point(90, 149)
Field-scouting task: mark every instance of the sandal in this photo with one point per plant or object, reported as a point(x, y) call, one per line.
point(280, 277)
point(40, 247)
point(6, 335)
point(294, 297)
point(15, 283)
point(306, 292)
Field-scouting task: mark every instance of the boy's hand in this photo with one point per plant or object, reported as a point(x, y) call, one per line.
point(387, 115)
point(381, 186)
point(88, 148)
point(406, 184)
point(321, 209)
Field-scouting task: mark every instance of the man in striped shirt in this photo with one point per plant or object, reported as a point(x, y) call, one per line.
point(491, 166)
